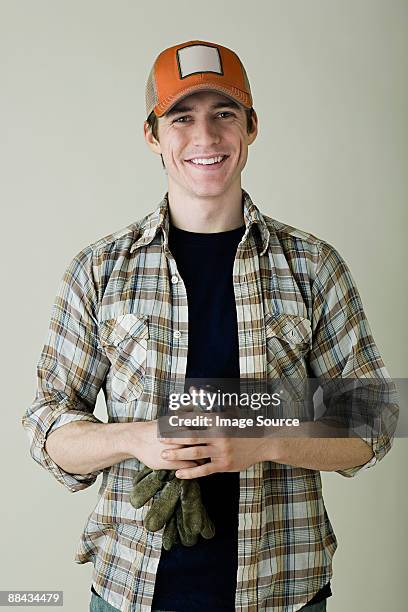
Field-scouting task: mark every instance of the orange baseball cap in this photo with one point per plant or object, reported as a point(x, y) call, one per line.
point(192, 66)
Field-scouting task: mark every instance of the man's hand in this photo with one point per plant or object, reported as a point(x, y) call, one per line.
point(143, 443)
point(221, 454)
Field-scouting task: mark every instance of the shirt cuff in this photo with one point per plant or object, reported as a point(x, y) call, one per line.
point(353, 471)
point(74, 482)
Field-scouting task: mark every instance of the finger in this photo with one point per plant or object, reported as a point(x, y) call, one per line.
point(188, 452)
point(202, 401)
point(196, 472)
point(187, 441)
point(175, 465)
point(175, 439)
point(166, 429)
point(172, 444)
point(176, 443)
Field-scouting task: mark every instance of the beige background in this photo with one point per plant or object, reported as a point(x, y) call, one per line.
point(329, 80)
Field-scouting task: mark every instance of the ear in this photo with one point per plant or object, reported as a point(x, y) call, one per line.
point(151, 141)
point(254, 133)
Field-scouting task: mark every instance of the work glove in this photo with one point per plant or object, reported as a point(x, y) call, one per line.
point(164, 506)
point(178, 508)
point(185, 520)
point(191, 516)
point(146, 484)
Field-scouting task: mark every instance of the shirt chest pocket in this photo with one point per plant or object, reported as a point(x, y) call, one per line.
point(288, 341)
point(124, 340)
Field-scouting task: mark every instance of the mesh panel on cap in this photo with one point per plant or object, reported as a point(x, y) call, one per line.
point(246, 81)
point(151, 93)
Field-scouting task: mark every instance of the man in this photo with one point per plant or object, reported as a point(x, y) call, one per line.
point(206, 286)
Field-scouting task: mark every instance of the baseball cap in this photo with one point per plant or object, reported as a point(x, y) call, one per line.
point(193, 66)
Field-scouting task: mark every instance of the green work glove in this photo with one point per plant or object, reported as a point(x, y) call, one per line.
point(163, 507)
point(208, 530)
point(192, 506)
point(146, 484)
point(170, 533)
point(195, 516)
point(141, 474)
point(191, 516)
point(179, 506)
point(186, 537)
point(189, 519)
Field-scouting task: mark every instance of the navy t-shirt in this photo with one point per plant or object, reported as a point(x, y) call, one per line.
point(203, 577)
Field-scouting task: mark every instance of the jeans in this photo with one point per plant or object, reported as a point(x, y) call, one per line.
point(100, 605)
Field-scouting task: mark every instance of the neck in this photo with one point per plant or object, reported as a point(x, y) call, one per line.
point(205, 214)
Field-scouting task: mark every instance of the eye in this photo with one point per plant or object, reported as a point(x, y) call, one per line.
point(227, 113)
point(180, 119)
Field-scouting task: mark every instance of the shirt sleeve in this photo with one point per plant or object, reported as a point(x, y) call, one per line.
point(71, 368)
point(343, 346)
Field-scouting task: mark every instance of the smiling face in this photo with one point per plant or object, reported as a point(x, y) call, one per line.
point(204, 143)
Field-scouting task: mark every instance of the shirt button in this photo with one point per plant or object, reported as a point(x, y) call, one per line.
point(174, 279)
point(177, 334)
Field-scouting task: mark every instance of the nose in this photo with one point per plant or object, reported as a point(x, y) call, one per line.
point(205, 132)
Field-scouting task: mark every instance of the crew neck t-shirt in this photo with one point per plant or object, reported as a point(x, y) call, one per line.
point(203, 577)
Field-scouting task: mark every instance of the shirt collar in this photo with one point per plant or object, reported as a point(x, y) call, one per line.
point(150, 225)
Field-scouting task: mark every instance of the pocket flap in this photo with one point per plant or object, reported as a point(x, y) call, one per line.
point(293, 328)
point(113, 331)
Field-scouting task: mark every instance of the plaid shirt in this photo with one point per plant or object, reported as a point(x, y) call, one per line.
point(120, 322)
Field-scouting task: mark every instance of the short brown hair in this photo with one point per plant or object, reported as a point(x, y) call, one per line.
point(153, 122)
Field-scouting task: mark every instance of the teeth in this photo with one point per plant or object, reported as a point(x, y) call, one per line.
point(206, 162)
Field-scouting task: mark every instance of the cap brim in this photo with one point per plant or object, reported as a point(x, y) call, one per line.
point(237, 96)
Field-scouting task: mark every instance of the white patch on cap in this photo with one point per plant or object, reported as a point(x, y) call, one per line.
point(199, 58)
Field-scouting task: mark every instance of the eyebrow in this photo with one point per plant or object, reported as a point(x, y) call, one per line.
point(180, 108)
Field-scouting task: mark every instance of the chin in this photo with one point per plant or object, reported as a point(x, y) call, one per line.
point(208, 190)
point(209, 193)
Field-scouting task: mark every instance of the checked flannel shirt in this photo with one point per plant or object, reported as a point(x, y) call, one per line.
point(120, 323)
